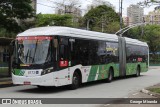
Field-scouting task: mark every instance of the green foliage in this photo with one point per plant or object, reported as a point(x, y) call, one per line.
point(152, 36)
point(155, 90)
point(5, 33)
point(154, 0)
point(135, 33)
point(11, 10)
point(154, 59)
point(113, 27)
point(53, 19)
point(102, 16)
point(27, 24)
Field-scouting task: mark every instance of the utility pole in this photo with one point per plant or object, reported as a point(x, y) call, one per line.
point(120, 12)
point(65, 9)
point(143, 21)
point(88, 24)
point(103, 20)
point(68, 10)
point(102, 24)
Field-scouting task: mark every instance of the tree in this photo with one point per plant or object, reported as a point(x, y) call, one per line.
point(152, 36)
point(66, 5)
point(5, 33)
point(11, 10)
point(53, 19)
point(135, 33)
point(148, 3)
point(69, 7)
point(101, 18)
point(113, 27)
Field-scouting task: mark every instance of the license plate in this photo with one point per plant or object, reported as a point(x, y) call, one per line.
point(33, 72)
point(27, 83)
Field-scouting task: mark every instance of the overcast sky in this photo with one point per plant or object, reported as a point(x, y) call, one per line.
point(44, 9)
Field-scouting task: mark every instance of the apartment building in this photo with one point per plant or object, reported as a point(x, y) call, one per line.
point(135, 14)
point(153, 17)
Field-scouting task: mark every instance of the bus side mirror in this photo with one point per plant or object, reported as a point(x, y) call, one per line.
point(11, 47)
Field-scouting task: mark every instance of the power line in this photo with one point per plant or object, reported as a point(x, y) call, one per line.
point(53, 6)
point(53, 2)
point(56, 3)
point(46, 5)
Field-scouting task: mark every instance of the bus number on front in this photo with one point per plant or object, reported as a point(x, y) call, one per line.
point(32, 72)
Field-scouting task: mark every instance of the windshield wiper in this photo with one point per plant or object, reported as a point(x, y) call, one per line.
point(27, 55)
point(29, 58)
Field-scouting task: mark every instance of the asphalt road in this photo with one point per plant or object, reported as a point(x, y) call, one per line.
point(119, 88)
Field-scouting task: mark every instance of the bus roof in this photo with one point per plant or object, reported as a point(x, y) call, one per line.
point(67, 31)
point(77, 33)
point(135, 42)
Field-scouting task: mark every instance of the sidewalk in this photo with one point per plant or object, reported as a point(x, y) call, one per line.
point(5, 82)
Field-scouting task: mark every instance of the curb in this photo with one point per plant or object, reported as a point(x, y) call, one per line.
point(145, 91)
point(4, 84)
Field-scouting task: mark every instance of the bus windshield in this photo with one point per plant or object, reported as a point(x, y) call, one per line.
point(34, 51)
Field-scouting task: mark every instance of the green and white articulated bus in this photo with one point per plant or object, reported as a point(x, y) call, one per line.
point(57, 56)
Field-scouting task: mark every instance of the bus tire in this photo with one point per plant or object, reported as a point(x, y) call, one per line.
point(138, 71)
point(110, 75)
point(75, 81)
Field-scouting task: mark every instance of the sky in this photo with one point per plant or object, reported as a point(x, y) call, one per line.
point(51, 6)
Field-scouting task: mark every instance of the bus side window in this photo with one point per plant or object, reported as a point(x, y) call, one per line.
point(63, 52)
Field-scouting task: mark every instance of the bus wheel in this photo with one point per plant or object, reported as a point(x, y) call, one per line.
point(110, 75)
point(75, 81)
point(138, 71)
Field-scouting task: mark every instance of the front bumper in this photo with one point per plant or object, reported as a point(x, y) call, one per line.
point(44, 80)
